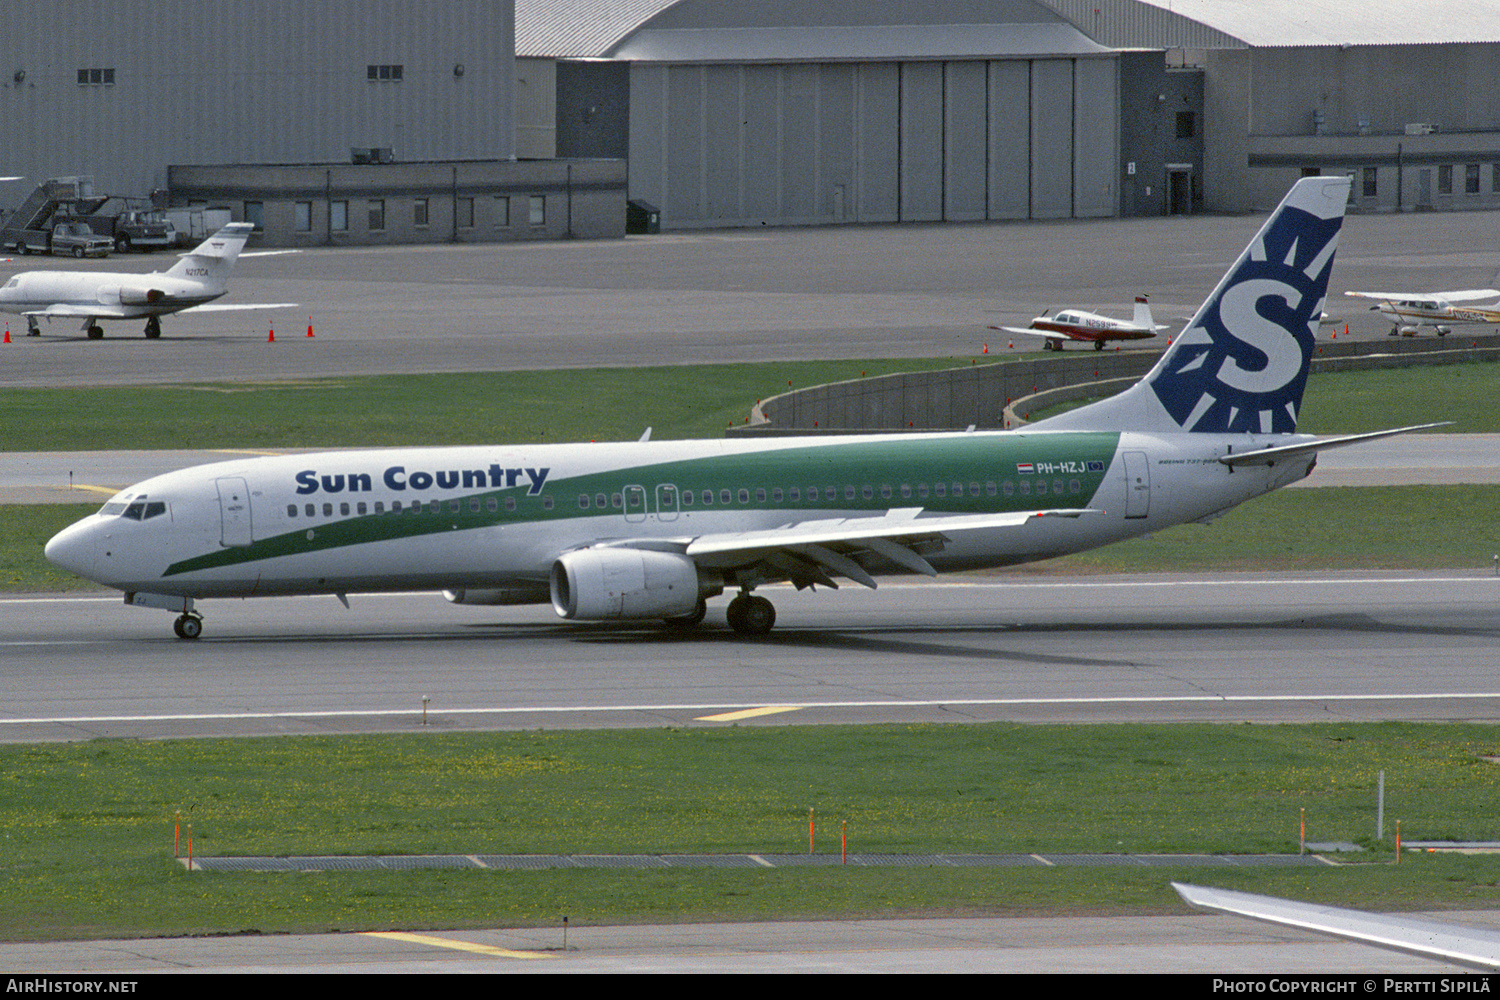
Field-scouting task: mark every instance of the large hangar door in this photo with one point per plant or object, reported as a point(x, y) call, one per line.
point(965, 136)
point(922, 142)
point(1096, 129)
point(1010, 139)
point(1052, 138)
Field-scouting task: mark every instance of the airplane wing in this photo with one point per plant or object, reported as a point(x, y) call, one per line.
point(1049, 334)
point(1266, 456)
point(96, 311)
point(1467, 946)
point(808, 551)
point(216, 307)
point(1462, 295)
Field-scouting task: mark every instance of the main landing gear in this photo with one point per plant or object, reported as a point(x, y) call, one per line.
point(189, 626)
point(751, 615)
point(153, 328)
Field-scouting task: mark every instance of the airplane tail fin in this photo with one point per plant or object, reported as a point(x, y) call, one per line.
point(213, 259)
point(1142, 315)
point(1241, 364)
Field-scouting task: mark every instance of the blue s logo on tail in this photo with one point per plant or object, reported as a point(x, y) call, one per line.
point(1241, 364)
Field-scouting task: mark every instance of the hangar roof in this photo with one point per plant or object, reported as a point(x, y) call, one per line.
point(775, 30)
point(1282, 23)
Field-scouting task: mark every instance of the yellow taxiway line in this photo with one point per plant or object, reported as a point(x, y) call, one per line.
point(439, 942)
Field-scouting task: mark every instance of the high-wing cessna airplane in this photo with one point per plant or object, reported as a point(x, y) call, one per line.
point(651, 530)
point(1091, 328)
point(194, 281)
point(1410, 311)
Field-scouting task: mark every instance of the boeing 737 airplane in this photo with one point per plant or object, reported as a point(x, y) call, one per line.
point(193, 282)
point(652, 530)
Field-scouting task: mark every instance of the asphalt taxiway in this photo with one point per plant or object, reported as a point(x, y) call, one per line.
point(712, 297)
point(1349, 646)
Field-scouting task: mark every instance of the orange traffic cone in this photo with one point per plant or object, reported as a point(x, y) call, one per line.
point(7, 333)
point(271, 338)
point(309, 326)
point(986, 349)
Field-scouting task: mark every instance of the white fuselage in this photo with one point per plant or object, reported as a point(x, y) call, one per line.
point(456, 518)
point(120, 296)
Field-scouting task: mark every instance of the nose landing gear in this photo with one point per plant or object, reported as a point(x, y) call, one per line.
point(189, 626)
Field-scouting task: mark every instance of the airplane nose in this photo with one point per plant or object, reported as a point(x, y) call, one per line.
point(72, 549)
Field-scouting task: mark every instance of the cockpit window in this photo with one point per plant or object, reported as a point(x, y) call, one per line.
point(139, 509)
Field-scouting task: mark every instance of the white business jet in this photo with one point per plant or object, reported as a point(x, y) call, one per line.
point(196, 280)
point(654, 529)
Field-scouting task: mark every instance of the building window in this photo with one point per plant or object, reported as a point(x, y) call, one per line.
point(1187, 125)
point(96, 78)
point(1369, 184)
point(501, 211)
point(377, 216)
point(419, 213)
point(255, 214)
point(338, 216)
point(463, 210)
point(1445, 179)
point(384, 72)
point(538, 210)
point(303, 221)
point(1471, 178)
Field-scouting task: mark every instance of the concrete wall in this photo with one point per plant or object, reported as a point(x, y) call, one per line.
point(464, 202)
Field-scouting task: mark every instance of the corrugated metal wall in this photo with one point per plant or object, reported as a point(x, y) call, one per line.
point(920, 141)
point(250, 81)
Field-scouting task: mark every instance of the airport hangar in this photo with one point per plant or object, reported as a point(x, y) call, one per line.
point(486, 120)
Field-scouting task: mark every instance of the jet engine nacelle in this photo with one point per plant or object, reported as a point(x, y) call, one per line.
point(141, 296)
point(609, 583)
point(497, 595)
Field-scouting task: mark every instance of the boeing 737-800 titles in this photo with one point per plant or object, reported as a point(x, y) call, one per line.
point(653, 530)
point(194, 281)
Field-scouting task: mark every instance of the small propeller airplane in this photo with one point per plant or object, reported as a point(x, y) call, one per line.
point(1090, 328)
point(1410, 311)
point(193, 282)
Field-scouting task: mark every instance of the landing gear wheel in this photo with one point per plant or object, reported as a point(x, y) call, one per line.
point(153, 328)
point(188, 627)
point(96, 332)
point(751, 615)
point(689, 620)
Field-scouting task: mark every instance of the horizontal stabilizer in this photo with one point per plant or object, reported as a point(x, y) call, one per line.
point(1265, 456)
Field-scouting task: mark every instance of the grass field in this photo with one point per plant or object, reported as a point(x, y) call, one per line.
point(88, 826)
point(592, 404)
